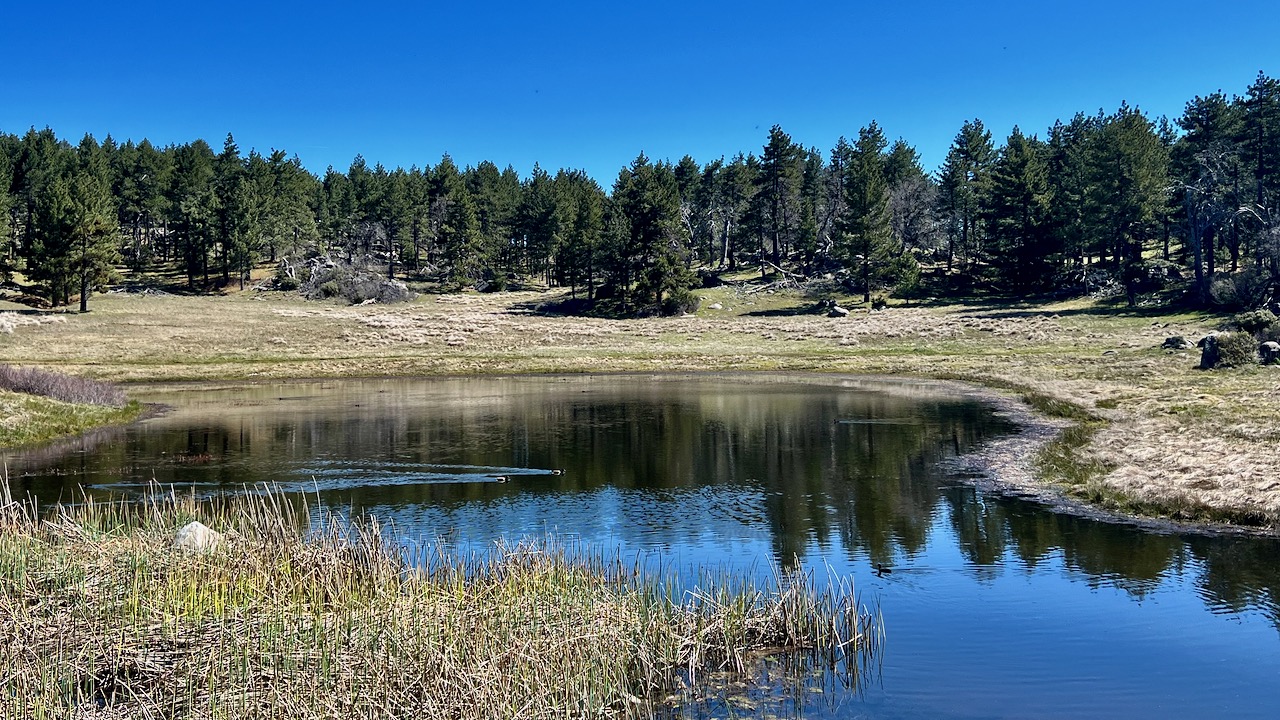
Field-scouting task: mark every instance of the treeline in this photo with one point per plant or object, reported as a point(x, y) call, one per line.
point(1115, 198)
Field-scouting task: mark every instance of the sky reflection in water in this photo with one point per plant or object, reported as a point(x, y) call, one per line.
point(994, 607)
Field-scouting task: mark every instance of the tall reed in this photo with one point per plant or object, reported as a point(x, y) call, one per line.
point(299, 614)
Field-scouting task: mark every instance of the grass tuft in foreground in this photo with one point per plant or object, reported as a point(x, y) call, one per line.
point(100, 616)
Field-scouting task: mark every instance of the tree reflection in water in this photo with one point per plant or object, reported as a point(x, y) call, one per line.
point(693, 464)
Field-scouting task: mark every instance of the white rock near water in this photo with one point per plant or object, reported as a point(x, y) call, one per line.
point(197, 537)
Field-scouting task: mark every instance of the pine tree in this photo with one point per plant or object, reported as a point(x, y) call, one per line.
point(778, 197)
point(290, 218)
point(964, 180)
point(1260, 138)
point(244, 215)
point(94, 228)
point(459, 239)
point(1018, 215)
point(48, 247)
point(536, 224)
point(8, 243)
point(646, 257)
point(866, 245)
point(912, 199)
point(336, 216)
point(193, 205)
point(580, 210)
point(1128, 178)
point(497, 198)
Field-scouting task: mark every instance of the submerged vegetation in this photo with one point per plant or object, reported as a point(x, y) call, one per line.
point(302, 615)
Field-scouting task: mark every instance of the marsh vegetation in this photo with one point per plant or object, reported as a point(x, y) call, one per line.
point(295, 614)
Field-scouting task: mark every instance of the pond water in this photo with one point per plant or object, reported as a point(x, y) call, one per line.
point(995, 607)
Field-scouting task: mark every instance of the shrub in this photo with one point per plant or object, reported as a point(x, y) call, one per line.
point(1236, 349)
point(1255, 322)
point(1240, 291)
point(497, 283)
point(66, 388)
point(679, 301)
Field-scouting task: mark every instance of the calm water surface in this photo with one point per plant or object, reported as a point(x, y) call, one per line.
point(994, 608)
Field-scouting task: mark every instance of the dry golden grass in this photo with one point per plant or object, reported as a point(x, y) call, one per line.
point(1174, 436)
point(102, 617)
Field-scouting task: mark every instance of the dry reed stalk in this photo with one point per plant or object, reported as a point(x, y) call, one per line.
point(304, 615)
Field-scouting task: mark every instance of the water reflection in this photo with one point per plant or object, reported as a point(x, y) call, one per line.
point(807, 464)
point(841, 474)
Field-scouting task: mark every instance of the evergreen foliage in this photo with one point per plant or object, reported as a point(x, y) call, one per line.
point(1111, 198)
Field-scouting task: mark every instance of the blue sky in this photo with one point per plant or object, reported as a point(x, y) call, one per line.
point(590, 85)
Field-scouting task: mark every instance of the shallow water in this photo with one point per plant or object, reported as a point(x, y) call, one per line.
point(993, 607)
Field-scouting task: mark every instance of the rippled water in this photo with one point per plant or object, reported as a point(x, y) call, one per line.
point(993, 607)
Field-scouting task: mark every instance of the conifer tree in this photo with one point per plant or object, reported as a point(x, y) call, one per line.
point(866, 246)
point(1128, 178)
point(580, 209)
point(537, 224)
point(965, 177)
point(497, 197)
point(778, 197)
point(95, 231)
point(648, 248)
point(193, 205)
point(1018, 215)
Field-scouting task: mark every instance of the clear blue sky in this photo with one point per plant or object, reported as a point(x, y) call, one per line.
point(590, 85)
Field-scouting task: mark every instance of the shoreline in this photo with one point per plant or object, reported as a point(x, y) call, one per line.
point(1146, 432)
point(1005, 466)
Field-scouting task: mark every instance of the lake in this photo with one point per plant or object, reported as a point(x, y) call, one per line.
point(994, 607)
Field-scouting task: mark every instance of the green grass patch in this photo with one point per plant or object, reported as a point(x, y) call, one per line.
point(32, 419)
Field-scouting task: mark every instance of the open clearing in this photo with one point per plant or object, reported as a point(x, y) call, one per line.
point(1169, 439)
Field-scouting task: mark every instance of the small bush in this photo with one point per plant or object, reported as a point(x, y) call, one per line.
point(66, 388)
point(1254, 322)
point(680, 301)
point(1240, 291)
point(1236, 349)
point(498, 283)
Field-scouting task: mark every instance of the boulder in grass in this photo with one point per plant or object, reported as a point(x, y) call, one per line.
point(1230, 349)
point(1209, 353)
point(196, 537)
point(836, 311)
point(1270, 352)
point(1177, 342)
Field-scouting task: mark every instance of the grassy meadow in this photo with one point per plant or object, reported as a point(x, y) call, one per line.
point(1152, 434)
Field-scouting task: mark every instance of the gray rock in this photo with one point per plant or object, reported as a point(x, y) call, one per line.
point(1270, 352)
point(715, 306)
point(197, 537)
point(1177, 342)
point(1210, 354)
point(837, 311)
